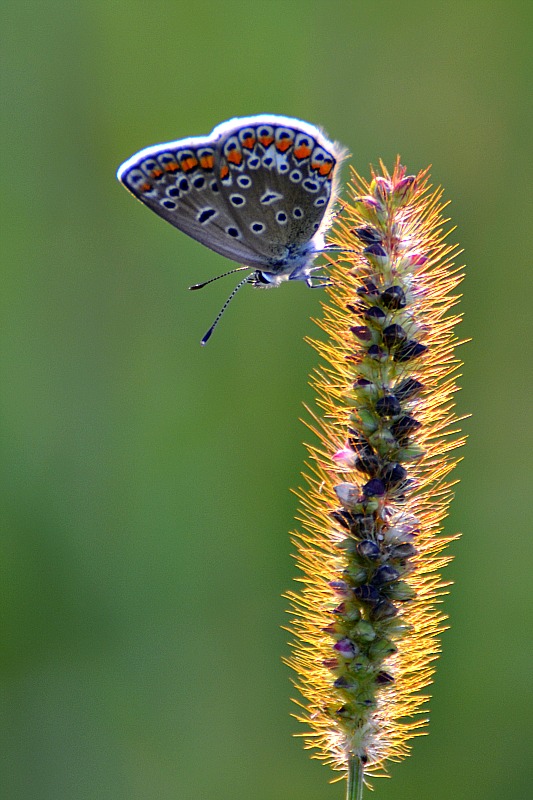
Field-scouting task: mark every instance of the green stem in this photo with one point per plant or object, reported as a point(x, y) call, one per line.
point(354, 788)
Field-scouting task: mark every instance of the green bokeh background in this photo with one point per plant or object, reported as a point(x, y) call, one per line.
point(145, 480)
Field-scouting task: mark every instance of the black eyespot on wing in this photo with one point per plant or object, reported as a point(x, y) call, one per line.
point(206, 214)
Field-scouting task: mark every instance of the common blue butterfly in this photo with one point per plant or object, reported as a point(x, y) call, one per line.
point(258, 190)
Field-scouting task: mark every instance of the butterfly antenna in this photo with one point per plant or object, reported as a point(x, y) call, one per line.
point(230, 272)
point(224, 307)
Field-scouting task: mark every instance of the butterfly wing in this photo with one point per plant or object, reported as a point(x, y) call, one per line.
point(277, 177)
point(255, 188)
point(177, 180)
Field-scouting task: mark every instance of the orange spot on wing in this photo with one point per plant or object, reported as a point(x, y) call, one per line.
point(266, 140)
point(234, 157)
point(326, 168)
point(322, 167)
point(303, 151)
point(249, 142)
point(206, 162)
point(189, 163)
point(156, 173)
point(172, 166)
point(283, 144)
point(145, 187)
point(224, 171)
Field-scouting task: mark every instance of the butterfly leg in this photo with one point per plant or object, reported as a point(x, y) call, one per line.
point(333, 248)
point(322, 281)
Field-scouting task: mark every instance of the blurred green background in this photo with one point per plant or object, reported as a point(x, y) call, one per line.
point(145, 480)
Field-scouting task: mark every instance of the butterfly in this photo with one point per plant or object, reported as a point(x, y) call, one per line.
point(258, 190)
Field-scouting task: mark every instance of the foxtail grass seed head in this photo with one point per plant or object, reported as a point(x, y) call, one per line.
point(366, 621)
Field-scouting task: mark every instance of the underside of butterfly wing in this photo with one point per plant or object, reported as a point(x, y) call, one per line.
point(177, 180)
point(259, 190)
point(277, 176)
